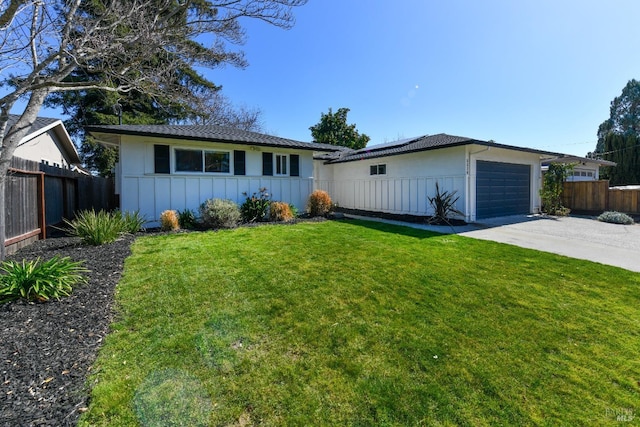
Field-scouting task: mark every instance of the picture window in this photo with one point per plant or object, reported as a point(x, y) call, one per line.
point(202, 161)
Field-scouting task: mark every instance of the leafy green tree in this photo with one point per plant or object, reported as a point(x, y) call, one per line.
point(624, 116)
point(619, 137)
point(124, 46)
point(333, 129)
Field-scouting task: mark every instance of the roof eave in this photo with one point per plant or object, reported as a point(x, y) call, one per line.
point(454, 144)
point(95, 130)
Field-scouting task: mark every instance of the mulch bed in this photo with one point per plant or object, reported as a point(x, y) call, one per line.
point(48, 348)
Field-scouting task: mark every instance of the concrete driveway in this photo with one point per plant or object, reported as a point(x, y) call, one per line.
point(576, 237)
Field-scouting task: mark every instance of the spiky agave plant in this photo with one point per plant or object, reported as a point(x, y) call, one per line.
point(444, 205)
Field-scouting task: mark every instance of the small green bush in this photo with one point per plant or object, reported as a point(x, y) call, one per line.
point(169, 221)
point(187, 219)
point(132, 222)
point(615, 218)
point(96, 228)
point(293, 209)
point(220, 213)
point(255, 207)
point(319, 203)
point(280, 211)
point(40, 281)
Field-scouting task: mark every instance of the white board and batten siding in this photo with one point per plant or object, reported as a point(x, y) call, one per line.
point(141, 189)
point(404, 186)
point(411, 178)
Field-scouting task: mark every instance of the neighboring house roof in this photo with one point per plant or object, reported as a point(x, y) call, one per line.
point(44, 124)
point(578, 159)
point(421, 143)
point(210, 133)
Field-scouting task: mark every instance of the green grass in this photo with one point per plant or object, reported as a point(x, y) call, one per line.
point(359, 323)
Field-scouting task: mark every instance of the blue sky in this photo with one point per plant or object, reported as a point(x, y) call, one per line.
point(539, 74)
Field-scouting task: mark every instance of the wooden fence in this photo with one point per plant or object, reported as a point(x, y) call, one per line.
point(596, 196)
point(40, 196)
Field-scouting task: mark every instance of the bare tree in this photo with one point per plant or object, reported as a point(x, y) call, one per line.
point(217, 109)
point(43, 41)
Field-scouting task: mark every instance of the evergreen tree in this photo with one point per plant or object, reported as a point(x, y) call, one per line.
point(625, 151)
point(619, 136)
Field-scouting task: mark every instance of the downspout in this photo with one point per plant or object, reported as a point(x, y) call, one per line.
point(468, 197)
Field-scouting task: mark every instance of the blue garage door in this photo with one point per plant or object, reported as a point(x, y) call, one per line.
point(502, 189)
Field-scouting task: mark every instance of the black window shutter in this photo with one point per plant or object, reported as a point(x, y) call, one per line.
point(294, 167)
point(161, 158)
point(267, 164)
point(239, 162)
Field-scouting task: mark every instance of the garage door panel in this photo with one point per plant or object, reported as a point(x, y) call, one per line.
point(502, 189)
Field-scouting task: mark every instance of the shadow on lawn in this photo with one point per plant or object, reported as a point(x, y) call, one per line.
point(404, 230)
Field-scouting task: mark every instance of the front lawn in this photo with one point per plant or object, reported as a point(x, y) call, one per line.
point(360, 323)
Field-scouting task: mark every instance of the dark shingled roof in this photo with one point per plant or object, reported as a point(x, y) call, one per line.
point(420, 143)
point(210, 133)
point(40, 122)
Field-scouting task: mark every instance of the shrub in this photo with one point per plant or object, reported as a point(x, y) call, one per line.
point(615, 218)
point(96, 228)
point(293, 209)
point(319, 203)
point(256, 206)
point(169, 221)
point(187, 219)
point(552, 186)
point(280, 211)
point(444, 206)
point(35, 280)
point(132, 222)
point(220, 213)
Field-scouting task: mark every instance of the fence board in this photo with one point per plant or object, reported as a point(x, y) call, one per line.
point(31, 206)
point(21, 204)
point(596, 196)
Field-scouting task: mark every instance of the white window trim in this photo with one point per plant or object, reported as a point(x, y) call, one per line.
point(277, 164)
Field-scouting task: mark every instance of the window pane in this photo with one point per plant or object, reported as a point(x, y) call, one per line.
point(382, 169)
point(216, 161)
point(373, 170)
point(281, 164)
point(188, 160)
point(161, 158)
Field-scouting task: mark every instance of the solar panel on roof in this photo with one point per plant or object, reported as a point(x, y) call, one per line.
point(386, 145)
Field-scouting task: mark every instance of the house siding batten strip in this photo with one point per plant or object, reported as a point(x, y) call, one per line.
point(153, 194)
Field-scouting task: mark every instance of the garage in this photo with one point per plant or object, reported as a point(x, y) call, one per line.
point(502, 189)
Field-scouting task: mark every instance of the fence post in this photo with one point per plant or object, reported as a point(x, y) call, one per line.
point(42, 218)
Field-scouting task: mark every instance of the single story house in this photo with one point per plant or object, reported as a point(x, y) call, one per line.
point(47, 142)
point(180, 166)
point(584, 169)
point(490, 179)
